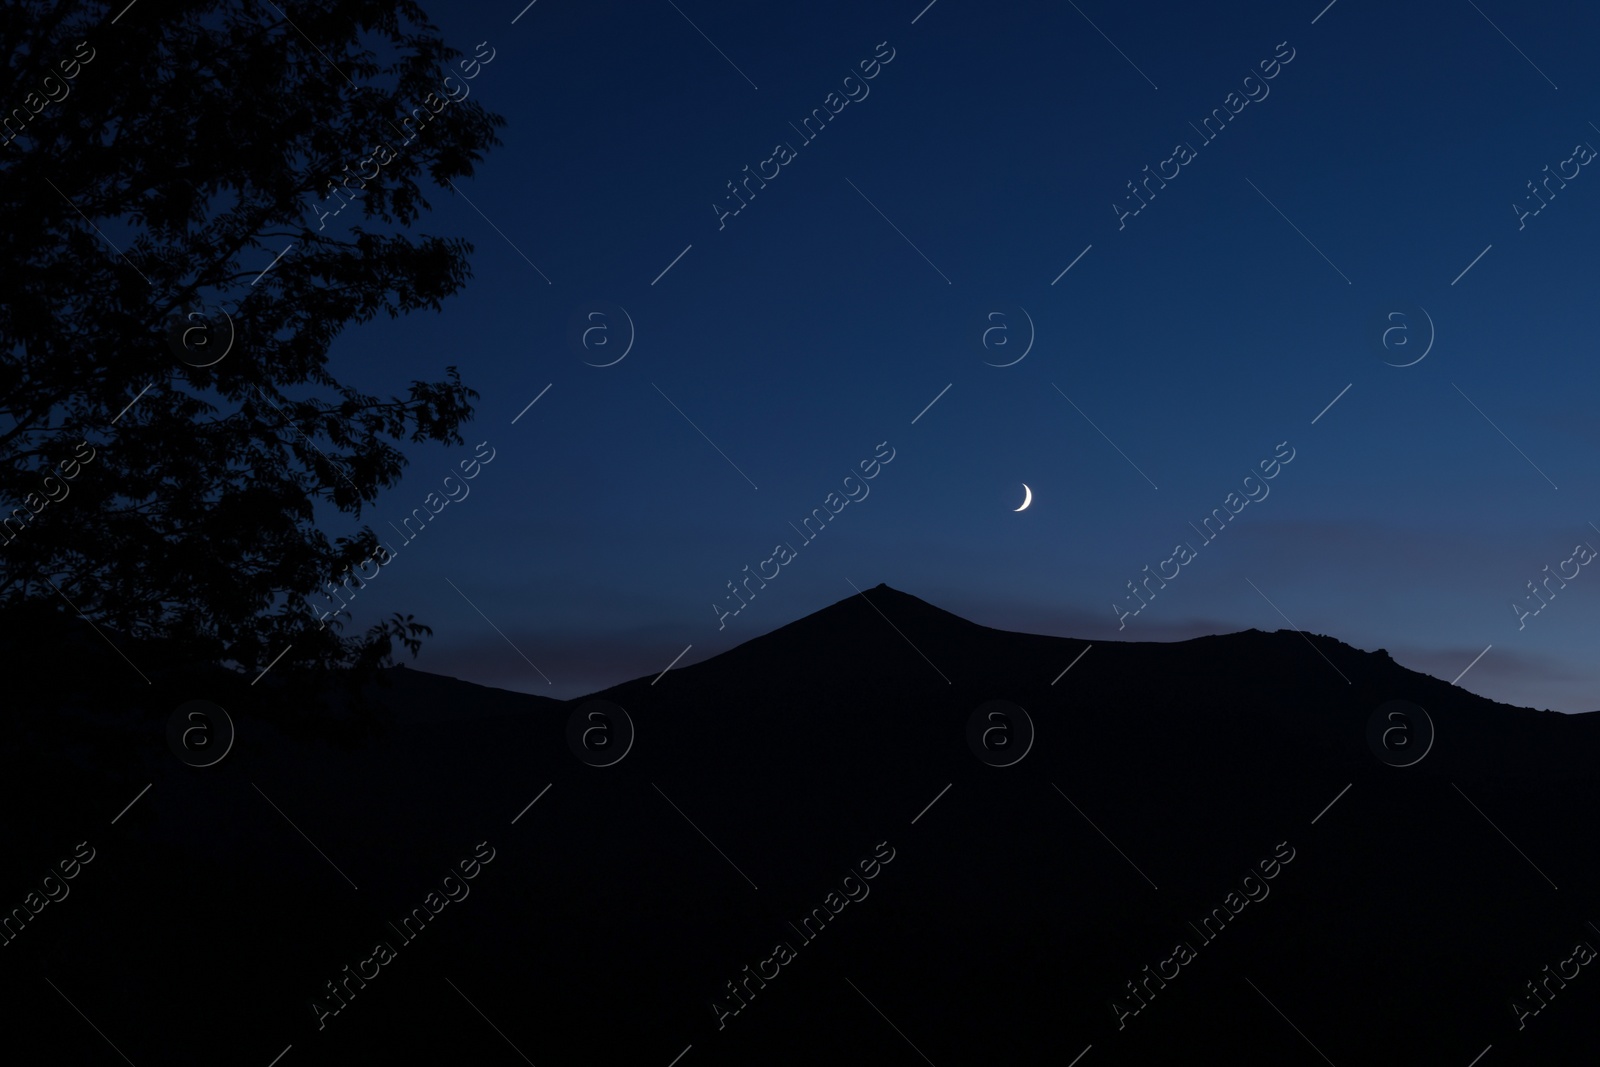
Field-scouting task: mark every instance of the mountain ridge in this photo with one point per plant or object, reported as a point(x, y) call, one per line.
point(1147, 777)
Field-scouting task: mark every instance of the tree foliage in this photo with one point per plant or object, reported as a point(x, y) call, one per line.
point(142, 203)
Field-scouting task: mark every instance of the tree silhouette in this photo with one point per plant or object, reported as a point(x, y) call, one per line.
point(170, 430)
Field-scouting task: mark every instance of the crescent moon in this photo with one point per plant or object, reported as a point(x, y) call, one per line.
point(1033, 333)
point(1433, 333)
point(1026, 500)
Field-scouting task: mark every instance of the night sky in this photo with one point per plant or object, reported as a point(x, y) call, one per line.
point(1371, 194)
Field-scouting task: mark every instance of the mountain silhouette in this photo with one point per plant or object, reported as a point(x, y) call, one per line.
point(1162, 781)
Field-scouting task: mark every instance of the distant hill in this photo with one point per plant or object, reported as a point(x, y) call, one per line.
point(1162, 782)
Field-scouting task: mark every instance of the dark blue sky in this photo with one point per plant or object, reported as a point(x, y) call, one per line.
point(1178, 352)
